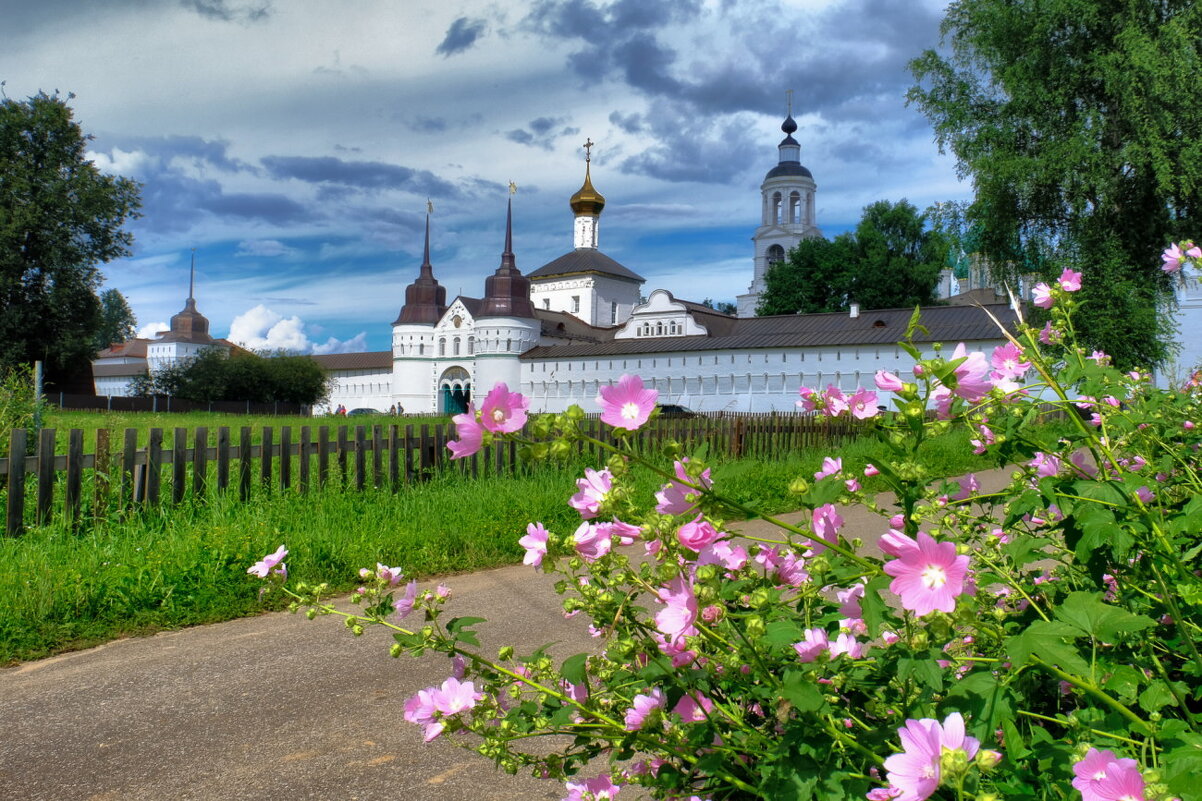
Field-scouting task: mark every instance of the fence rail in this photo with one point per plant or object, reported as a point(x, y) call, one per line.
point(48, 479)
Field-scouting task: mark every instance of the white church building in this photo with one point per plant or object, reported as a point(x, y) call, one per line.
point(581, 321)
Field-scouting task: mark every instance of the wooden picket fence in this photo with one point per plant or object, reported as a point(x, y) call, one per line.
point(122, 474)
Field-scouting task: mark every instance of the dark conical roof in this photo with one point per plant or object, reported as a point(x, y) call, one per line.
point(507, 291)
point(425, 298)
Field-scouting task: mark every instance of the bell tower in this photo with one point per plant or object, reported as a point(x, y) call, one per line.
point(586, 205)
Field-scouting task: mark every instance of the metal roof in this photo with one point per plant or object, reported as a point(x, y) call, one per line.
point(876, 327)
point(585, 260)
point(369, 360)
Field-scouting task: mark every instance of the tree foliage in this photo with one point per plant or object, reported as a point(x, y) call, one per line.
point(214, 375)
point(1080, 124)
point(890, 261)
point(60, 217)
point(117, 320)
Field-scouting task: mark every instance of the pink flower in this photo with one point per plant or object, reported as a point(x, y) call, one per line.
point(894, 543)
point(850, 600)
point(599, 788)
point(815, 642)
point(693, 707)
point(422, 710)
point(1121, 784)
point(697, 533)
point(1173, 256)
point(503, 412)
point(1049, 335)
point(594, 488)
point(810, 399)
point(1008, 361)
point(628, 405)
point(836, 402)
point(1144, 494)
point(1046, 465)
point(916, 771)
point(830, 466)
point(1070, 281)
point(1100, 358)
point(679, 614)
point(871, 470)
point(1042, 296)
point(625, 533)
point(888, 382)
point(271, 563)
point(969, 486)
point(846, 643)
point(791, 570)
point(404, 604)
point(642, 706)
point(592, 542)
point(929, 578)
point(972, 374)
point(863, 404)
point(456, 696)
point(732, 557)
point(390, 575)
point(1098, 766)
point(825, 522)
point(675, 498)
point(535, 543)
point(470, 434)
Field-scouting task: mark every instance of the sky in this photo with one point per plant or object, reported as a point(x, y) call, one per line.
point(292, 145)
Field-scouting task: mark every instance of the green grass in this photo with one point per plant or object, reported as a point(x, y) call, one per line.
point(63, 589)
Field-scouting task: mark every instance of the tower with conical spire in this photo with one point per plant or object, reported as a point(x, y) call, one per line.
point(413, 334)
point(787, 211)
point(188, 334)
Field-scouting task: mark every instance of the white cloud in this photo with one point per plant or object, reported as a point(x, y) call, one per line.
point(260, 328)
point(149, 330)
point(264, 247)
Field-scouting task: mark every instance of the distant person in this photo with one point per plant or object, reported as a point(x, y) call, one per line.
point(392, 410)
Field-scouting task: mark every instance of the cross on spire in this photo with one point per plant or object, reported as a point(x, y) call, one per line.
point(588, 146)
point(789, 102)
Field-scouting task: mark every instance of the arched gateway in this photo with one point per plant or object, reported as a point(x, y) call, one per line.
point(454, 390)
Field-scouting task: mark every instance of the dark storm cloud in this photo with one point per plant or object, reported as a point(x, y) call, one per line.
point(209, 152)
point(230, 10)
point(462, 34)
point(541, 132)
point(369, 175)
point(268, 207)
point(630, 123)
point(427, 124)
point(715, 154)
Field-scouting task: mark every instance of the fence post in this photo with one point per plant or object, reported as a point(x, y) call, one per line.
point(360, 457)
point(306, 450)
point(323, 455)
point(74, 473)
point(223, 458)
point(154, 463)
point(244, 463)
point(45, 475)
point(200, 462)
point(129, 456)
point(179, 464)
point(100, 479)
point(14, 520)
point(286, 457)
point(265, 455)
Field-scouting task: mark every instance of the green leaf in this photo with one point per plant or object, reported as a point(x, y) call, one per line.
point(872, 606)
point(459, 631)
point(783, 632)
point(1052, 642)
point(922, 669)
point(985, 701)
point(574, 668)
point(800, 691)
point(1125, 682)
point(1086, 612)
point(1155, 696)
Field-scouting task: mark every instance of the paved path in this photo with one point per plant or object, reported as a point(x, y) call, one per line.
point(273, 707)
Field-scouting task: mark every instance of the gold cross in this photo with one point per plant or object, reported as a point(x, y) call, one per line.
point(588, 145)
point(513, 188)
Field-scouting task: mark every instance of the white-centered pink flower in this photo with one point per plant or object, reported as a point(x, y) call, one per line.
point(1173, 255)
point(678, 617)
point(972, 374)
point(1046, 465)
point(693, 707)
point(470, 434)
point(271, 563)
point(1041, 296)
point(815, 642)
point(722, 552)
point(641, 707)
point(535, 543)
point(916, 772)
point(593, 490)
point(810, 400)
point(599, 788)
point(503, 412)
point(836, 401)
point(1007, 361)
point(1100, 766)
point(929, 578)
point(1070, 281)
point(627, 405)
point(863, 404)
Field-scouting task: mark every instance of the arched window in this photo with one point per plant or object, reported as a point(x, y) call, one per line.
point(776, 207)
point(421, 348)
point(471, 346)
point(795, 207)
point(775, 254)
point(455, 346)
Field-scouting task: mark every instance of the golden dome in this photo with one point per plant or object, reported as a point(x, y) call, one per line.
point(587, 200)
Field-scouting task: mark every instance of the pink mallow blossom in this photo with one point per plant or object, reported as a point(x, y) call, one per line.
point(1046, 465)
point(816, 641)
point(916, 772)
point(863, 404)
point(972, 374)
point(697, 534)
point(404, 604)
point(693, 707)
point(428, 706)
point(470, 434)
point(676, 620)
point(1103, 766)
point(677, 499)
point(836, 401)
point(627, 405)
point(888, 382)
point(598, 788)
point(1173, 256)
point(535, 543)
point(825, 522)
point(503, 412)
point(271, 563)
point(1070, 281)
point(642, 706)
point(928, 578)
point(1041, 296)
point(592, 542)
point(594, 488)
point(1144, 494)
point(1007, 361)
point(830, 466)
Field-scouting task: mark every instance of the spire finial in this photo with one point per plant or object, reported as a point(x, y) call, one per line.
point(507, 256)
point(426, 253)
point(513, 188)
point(192, 275)
point(588, 147)
point(789, 102)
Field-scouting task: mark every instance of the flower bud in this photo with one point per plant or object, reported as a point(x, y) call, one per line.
point(707, 573)
point(395, 650)
point(987, 759)
point(953, 762)
point(505, 653)
point(759, 598)
point(755, 627)
point(799, 486)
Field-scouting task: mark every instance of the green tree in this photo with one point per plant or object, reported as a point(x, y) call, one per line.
point(721, 306)
point(890, 261)
point(117, 320)
point(1080, 125)
point(215, 375)
point(60, 217)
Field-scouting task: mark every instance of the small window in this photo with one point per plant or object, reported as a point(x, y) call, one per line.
point(471, 345)
point(455, 346)
point(442, 346)
point(613, 313)
point(575, 304)
point(546, 303)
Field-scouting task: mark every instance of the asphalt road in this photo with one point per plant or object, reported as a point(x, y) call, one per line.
point(273, 707)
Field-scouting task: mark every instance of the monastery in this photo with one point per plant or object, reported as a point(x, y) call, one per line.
point(581, 321)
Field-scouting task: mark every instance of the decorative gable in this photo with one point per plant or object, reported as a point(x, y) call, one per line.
point(661, 316)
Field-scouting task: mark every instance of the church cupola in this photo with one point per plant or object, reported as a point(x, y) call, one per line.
point(790, 152)
point(507, 291)
point(425, 298)
point(586, 204)
point(189, 325)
